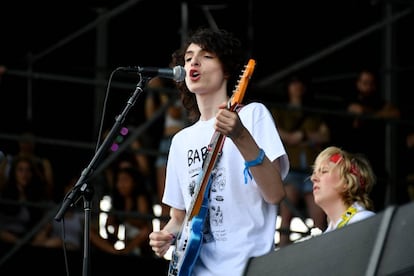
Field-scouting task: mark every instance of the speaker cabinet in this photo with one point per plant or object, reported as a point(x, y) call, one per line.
point(380, 245)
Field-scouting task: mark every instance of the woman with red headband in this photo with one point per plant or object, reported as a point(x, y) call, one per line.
point(342, 182)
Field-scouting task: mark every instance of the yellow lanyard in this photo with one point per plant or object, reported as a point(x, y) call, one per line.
point(349, 213)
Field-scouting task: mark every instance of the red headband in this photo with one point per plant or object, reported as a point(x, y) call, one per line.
point(336, 158)
point(355, 171)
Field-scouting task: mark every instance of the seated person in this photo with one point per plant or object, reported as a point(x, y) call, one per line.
point(342, 182)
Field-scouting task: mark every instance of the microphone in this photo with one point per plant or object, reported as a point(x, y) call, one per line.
point(177, 73)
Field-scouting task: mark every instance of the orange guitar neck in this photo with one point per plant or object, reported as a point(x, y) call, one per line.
point(218, 139)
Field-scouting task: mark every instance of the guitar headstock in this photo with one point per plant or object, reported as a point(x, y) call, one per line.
point(241, 86)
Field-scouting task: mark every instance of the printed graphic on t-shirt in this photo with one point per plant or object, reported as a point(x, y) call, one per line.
point(216, 203)
point(213, 226)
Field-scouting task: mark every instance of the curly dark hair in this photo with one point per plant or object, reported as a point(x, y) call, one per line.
point(227, 48)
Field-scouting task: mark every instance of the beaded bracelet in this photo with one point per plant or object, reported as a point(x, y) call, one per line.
point(255, 162)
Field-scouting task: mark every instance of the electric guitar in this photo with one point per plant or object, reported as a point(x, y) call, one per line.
point(188, 241)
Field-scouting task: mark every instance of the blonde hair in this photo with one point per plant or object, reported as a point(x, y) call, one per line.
point(356, 171)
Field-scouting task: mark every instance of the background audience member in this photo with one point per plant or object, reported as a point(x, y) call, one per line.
point(303, 134)
point(367, 99)
point(126, 234)
point(342, 182)
point(364, 132)
point(26, 147)
point(24, 187)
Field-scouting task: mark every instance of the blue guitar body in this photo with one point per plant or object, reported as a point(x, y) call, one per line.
point(188, 243)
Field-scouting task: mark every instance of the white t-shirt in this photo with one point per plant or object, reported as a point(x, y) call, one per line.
point(242, 224)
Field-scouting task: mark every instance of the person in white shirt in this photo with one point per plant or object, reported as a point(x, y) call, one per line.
point(246, 183)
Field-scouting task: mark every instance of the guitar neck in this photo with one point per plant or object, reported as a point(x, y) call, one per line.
point(217, 142)
point(209, 163)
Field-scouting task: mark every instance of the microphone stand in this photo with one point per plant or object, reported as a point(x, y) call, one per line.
point(83, 189)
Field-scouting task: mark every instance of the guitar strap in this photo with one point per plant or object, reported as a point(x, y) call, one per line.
point(349, 213)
